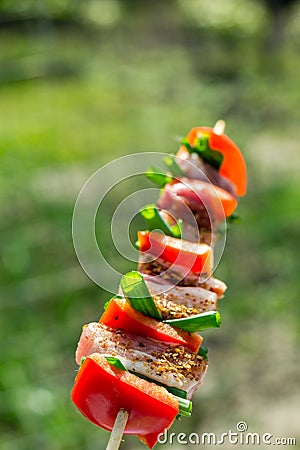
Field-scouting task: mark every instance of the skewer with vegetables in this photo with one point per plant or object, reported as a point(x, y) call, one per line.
point(142, 362)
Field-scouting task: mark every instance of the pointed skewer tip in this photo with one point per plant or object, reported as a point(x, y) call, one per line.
point(219, 127)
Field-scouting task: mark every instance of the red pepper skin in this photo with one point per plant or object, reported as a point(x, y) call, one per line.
point(119, 314)
point(233, 166)
point(101, 390)
point(192, 255)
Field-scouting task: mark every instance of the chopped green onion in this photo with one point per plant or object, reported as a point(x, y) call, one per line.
point(202, 143)
point(158, 177)
point(185, 407)
point(227, 224)
point(187, 145)
point(105, 306)
point(155, 221)
point(115, 362)
point(234, 218)
point(177, 229)
point(137, 294)
point(172, 165)
point(176, 391)
point(203, 351)
point(199, 322)
point(201, 146)
point(82, 360)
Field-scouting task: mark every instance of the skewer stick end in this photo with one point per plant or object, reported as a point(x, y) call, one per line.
point(117, 431)
point(219, 127)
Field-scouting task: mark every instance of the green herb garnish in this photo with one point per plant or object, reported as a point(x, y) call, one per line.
point(172, 165)
point(158, 177)
point(155, 221)
point(137, 294)
point(203, 351)
point(199, 322)
point(201, 146)
point(115, 362)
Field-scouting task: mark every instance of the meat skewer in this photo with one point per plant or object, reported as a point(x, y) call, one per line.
point(142, 362)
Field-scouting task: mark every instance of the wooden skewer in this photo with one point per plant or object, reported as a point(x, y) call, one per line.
point(117, 431)
point(219, 127)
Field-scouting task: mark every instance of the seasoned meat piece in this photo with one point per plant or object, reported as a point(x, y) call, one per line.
point(192, 232)
point(176, 276)
point(173, 366)
point(194, 167)
point(197, 203)
point(175, 302)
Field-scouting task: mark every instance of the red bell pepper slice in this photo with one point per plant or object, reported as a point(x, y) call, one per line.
point(119, 314)
point(101, 390)
point(233, 166)
point(192, 255)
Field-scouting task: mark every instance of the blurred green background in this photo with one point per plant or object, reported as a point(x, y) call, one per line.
point(83, 82)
